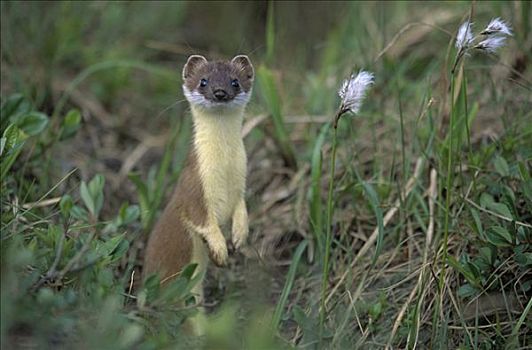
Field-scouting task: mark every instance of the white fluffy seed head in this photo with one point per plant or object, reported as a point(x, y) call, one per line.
point(464, 37)
point(491, 44)
point(354, 90)
point(497, 26)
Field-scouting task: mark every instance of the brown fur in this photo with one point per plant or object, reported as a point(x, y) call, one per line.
point(170, 245)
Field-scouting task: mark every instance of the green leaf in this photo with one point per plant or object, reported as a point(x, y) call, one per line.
point(308, 325)
point(96, 185)
point(487, 201)
point(52, 235)
point(501, 208)
point(499, 236)
point(466, 291)
point(144, 197)
point(105, 249)
point(501, 166)
point(15, 106)
point(482, 265)
point(523, 256)
point(92, 194)
point(375, 310)
point(129, 214)
point(524, 172)
point(120, 250)
point(65, 205)
point(474, 270)
point(188, 271)
point(79, 213)
point(524, 235)
point(478, 222)
point(526, 188)
point(488, 254)
point(152, 287)
point(464, 269)
point(14, 140)
point(13, 136)
point(87, 198)
point(509, 195)
point(71, 124)
point(126, 215)
point(174, 290)
point(179, 287)
point(33, 123)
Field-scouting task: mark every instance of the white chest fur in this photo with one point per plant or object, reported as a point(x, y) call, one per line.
point(222, 161)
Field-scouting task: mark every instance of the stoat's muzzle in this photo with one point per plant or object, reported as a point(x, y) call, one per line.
point(220, 95)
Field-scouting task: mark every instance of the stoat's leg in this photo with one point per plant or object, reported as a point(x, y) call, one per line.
point(213, 237)
point(240, 224)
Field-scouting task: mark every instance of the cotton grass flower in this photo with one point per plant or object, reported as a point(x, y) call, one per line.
point(354, 90)
point(494, 34)
point(491, 44)
point(464, 38)
point(497, 26)
point(352, 93)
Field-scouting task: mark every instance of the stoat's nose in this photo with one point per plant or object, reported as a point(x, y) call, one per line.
point(220, 94)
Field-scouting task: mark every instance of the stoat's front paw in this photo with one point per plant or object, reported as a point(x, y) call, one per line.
point(240, 234)
point(218, 251)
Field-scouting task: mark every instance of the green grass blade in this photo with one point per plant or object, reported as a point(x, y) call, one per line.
point(515, 331)
point(316, 207)
point(270, 34)
point(375, 205)
point(279, 308)
point(273, 103)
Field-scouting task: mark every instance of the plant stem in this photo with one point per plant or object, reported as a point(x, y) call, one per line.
point(328, 237)
point(468, 132)
point(457, 59)
point(448, 188)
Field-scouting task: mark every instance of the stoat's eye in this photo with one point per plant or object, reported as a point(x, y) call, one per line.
point(203, 82)
point(235, 83)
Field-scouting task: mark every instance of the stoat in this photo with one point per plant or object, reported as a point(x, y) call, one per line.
point(211, 187)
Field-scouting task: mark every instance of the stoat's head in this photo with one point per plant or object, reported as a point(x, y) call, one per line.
point(220, 86)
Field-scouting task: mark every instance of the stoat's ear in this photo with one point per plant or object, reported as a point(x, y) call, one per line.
point(245, 64)
point(193, 63)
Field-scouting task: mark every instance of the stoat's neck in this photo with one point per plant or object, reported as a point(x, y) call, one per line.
point(223, 126)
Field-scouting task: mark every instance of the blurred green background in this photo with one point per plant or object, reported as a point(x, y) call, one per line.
point(95, 129)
